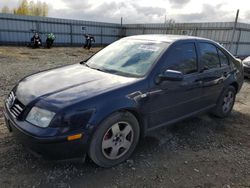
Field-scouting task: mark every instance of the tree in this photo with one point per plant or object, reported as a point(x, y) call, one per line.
point(5, 9)
point(45, 9)
point(38, 9)
point(32, 8)
point(23, 8)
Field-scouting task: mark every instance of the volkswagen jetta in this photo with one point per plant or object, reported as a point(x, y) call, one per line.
point(102, 106)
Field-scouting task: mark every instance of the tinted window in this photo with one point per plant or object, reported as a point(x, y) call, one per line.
point(209, 56)
point(223, 58)
point(182, 58)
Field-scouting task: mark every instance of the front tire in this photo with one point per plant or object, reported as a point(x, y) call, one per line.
point(225, 103)
point(114, 140)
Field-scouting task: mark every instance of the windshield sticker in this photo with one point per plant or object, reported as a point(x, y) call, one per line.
point(149, 48)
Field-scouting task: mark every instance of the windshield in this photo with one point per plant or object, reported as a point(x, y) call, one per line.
point(127, 57)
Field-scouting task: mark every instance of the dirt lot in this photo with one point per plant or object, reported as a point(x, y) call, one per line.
point(201, 152)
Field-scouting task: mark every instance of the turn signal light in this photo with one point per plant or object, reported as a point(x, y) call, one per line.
point(74, 137)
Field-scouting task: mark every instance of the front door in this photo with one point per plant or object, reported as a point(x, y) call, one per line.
point(170, 101)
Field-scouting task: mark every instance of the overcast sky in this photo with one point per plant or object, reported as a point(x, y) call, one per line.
point(146, 11)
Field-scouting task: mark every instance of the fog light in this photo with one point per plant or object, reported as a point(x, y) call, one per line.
point(74, 137)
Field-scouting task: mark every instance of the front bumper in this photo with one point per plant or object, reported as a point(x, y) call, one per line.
point(50, 147)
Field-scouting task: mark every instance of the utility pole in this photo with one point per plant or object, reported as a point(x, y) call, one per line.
point(121, 21)
point(234, 28)
point(165, 24)
point(121, 28)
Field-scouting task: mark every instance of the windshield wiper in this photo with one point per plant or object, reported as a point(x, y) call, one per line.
point(102, 70)
point(95, 68)
point(111, 71)
point(83, 62)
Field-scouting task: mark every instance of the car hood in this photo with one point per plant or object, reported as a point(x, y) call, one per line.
point(68, 84)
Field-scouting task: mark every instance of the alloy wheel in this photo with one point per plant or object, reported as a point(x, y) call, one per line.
point(117, 140)
point(228, 102)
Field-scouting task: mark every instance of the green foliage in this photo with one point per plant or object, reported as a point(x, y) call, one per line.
point(29, 8)
point(23, 8)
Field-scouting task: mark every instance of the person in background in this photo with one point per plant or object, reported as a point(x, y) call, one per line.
point(88, 40)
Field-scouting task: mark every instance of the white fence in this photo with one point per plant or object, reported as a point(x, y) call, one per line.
point(221, 32)
point(16, 29)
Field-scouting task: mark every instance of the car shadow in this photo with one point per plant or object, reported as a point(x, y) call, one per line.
point(247, 80)
point(196, 133)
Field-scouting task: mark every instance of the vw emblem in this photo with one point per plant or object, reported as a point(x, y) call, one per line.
point(11, 99)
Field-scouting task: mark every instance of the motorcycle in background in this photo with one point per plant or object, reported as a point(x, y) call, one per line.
point(50, 40)
point(36, 41)
point(88, 40)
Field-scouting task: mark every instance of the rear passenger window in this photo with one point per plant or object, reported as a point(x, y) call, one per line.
point(223, 58)
point(182, 58)
point(209, 56)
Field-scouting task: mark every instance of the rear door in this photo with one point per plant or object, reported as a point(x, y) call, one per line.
point(214, 71)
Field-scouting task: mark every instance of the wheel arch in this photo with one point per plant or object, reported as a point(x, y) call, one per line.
point(106, 110)
point(139, 118)
point(235, 85)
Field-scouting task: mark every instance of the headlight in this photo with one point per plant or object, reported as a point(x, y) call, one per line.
point(247, 63)
point(40, 117)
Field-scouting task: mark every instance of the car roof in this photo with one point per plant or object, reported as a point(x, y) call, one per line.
point(166, 38)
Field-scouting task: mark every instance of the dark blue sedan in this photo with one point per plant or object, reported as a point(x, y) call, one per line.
point(102, 106)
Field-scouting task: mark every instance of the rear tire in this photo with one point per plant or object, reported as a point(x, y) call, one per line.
point(114, 140)
point(225, 103)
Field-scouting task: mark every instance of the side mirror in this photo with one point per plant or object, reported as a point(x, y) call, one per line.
point(171, 75)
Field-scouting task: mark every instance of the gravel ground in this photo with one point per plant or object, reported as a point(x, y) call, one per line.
point(201, 152)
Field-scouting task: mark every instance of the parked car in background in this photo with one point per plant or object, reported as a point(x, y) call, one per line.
point(246, 65)
point(102, 106)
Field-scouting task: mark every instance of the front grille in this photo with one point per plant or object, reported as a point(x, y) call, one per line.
point(14, 106)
